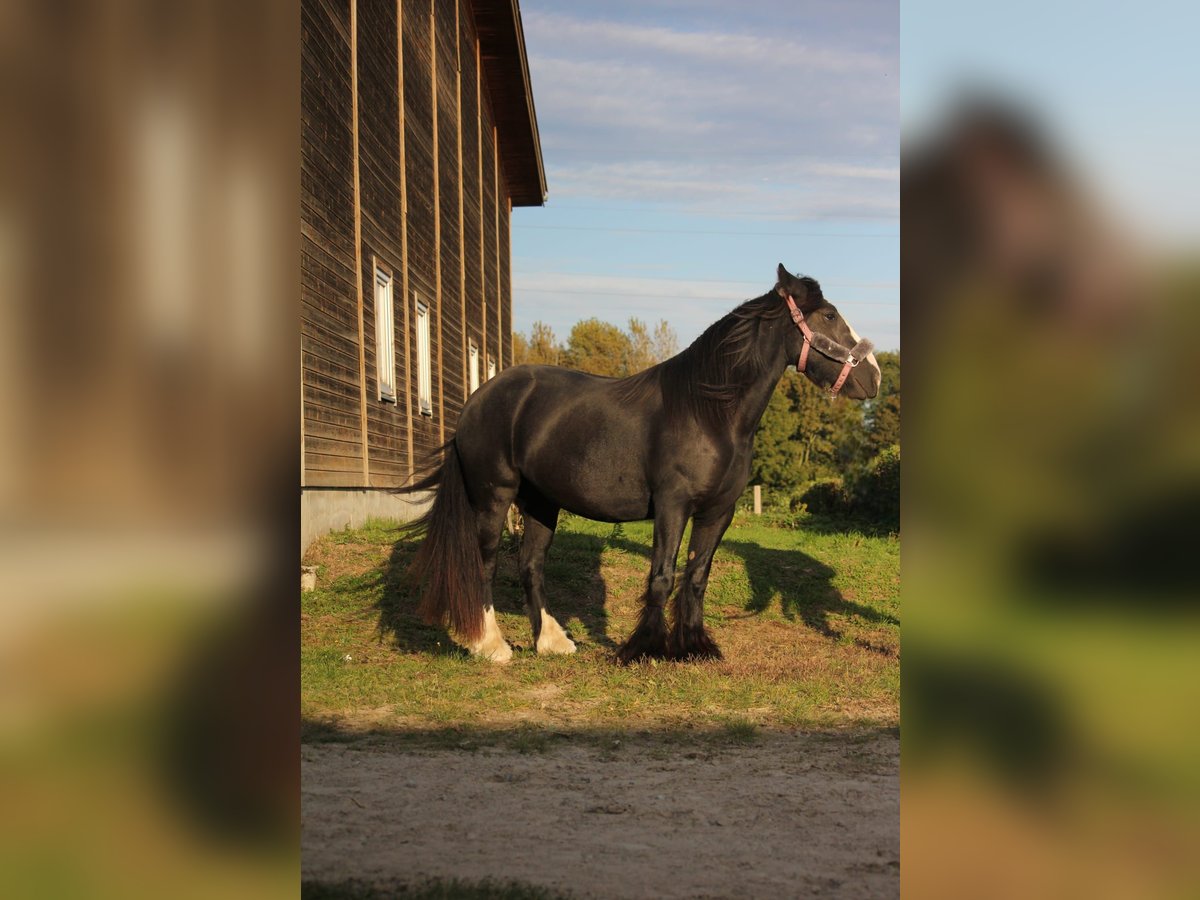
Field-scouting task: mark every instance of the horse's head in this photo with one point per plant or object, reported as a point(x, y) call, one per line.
point(828, 350)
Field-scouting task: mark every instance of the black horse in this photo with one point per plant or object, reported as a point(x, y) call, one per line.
point(671, 443)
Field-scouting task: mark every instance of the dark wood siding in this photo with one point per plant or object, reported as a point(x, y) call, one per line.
point(428, 212)
point(328, 295)
point(422, 250)
point(505, 276)
point(448, 180)
point(489, 279)
point(379, 189)
point(471, 230)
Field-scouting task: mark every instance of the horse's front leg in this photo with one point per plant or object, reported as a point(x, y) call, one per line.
point(689, 638)
point(649, 639)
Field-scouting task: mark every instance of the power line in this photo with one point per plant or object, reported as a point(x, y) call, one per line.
point(631, 296)
point(874, 285)
point(722, 213)
point(617, 229)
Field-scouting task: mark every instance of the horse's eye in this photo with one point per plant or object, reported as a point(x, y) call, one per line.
point(830, 316)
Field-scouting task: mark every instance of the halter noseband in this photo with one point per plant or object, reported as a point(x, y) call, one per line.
point(826, 347)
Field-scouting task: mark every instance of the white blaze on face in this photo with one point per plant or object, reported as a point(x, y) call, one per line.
point(492, 645)
point(870, 356)
point(552, 638)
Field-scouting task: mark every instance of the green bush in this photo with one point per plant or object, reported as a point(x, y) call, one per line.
point(875, 495)
point(826, 498)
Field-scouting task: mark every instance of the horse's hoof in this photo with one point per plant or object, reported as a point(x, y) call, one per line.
point(696, 655)
point(551, 638)
point(637, 650)
point(497, 654)
point(491, 646)
point(649, 639)
point(559, 646)
point(694, 645)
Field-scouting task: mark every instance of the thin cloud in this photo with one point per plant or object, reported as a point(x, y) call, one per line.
point(871, 173)
point(700, 108)
point(710, 187)
point(708, 47)
point(704, 117)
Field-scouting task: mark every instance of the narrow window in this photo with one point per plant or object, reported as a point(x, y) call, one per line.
point(424, 367)
point(491, 369)
point(385, 337)
point(474, 367)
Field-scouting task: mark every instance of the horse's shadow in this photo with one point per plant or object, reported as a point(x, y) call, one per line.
point(804, 586)
point(575, 590)
point(577, 595)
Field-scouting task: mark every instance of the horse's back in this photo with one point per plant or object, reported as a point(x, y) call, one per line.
point(568, 433)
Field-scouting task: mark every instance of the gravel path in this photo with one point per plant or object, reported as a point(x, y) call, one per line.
point(788, 815)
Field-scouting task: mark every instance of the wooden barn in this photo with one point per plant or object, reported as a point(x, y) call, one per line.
point(418, 136)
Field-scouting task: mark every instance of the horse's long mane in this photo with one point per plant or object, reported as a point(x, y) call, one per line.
point(706, 380)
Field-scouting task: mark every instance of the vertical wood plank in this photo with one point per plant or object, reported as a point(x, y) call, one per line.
point(303, 468)
point(404, 238)
point(479, 154)
point(462, 261)
point(362, 346)
point(437, 218)
point(496, 213)
point(508, 260)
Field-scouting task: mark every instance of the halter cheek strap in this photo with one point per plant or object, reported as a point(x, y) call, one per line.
point(798, 318)
point(848, 363)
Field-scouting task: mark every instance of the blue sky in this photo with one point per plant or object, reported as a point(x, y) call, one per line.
point(691, 146)
point(1115, 85)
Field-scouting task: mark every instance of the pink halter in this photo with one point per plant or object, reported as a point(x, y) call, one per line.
point(848, 361)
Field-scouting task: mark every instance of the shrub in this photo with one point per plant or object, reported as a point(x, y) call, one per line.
point(875, 495)
point(826, 498)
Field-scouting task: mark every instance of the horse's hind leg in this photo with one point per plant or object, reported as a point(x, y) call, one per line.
point(490, 515)
point(541, 518)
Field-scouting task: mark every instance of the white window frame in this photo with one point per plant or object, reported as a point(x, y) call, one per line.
point(424, 359)
point(385, 337)
point(473, 368)
point(491, 372)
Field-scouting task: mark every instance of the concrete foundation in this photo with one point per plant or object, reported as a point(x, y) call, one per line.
point(323, 510)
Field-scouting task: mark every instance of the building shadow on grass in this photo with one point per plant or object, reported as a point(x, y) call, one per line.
point(575, 591)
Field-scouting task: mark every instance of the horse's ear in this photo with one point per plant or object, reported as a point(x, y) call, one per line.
point(805, 291)
point(783, 287)
point(791, 286)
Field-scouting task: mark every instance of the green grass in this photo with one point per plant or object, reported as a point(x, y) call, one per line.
point(808, 622)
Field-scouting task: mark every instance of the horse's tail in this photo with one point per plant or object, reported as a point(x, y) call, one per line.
point(448, 566)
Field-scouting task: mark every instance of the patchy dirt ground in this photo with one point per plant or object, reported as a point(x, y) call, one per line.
point(784, 815)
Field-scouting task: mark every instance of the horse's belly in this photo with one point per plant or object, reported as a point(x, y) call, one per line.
point(594, 492)
point(611, 509)
point(606, 488)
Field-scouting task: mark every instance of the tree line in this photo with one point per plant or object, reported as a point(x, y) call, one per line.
point(598, 347)
point(804, 437)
